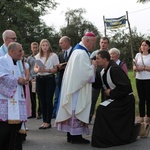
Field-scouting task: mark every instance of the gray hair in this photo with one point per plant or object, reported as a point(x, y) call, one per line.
point(6, 33)
point(114, 50)
point(13, 46)
point(86, 37)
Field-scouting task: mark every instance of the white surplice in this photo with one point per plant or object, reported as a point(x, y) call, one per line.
point(12, 101)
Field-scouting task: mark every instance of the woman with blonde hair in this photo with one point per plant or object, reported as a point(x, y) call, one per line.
point(45, 80)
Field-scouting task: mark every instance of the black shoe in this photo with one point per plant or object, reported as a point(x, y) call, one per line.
point(23, 137)
point(69, 137)
point(31, 117)
point(41, 127)
point(47, 127)
point(80, 141)
point(39, 117)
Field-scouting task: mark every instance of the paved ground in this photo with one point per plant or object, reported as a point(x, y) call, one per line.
point(51, 139)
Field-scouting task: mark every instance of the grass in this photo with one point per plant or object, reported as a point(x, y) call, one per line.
point(132, 79)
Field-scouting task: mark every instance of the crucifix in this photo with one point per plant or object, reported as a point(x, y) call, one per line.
point(13, 102)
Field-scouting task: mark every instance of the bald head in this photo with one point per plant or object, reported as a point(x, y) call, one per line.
point(65, 43)
point(9, 36)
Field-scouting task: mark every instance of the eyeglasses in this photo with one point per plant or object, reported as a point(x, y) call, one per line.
point(13, 38)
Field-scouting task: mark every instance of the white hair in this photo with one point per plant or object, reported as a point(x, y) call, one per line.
point(114, 50)
point(6, 33)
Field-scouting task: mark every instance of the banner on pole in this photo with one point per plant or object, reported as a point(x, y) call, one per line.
point(114, 23)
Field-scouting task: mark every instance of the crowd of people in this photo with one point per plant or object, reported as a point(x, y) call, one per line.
point(66, 87)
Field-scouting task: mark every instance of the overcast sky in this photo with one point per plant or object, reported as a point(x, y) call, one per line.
point(139, 14)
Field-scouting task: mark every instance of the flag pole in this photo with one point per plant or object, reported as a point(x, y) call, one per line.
point(131, 39)
point(104, 26)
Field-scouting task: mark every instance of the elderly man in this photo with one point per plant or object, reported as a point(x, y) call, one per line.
point(12, 101)
point(75, 98)
point(8, 36)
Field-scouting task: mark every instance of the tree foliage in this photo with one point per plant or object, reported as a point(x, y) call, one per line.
point(23, 16)
point(143, 1)
point(77, 25)
point(122, 41)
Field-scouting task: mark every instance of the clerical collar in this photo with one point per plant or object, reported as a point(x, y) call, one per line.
point(15, 62)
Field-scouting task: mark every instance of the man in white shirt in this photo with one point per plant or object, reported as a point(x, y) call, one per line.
point(97, 85)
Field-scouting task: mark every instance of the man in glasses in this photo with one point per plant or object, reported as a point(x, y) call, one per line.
point(8, 37)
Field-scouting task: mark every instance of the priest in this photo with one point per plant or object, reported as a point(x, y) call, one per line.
point(115, 117)
point(12, 101)
point(75, 98)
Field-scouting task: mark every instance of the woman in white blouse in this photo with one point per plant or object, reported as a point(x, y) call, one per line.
point(45, 80)
point(142, 69)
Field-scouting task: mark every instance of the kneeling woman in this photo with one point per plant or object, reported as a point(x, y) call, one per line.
point(114, 122)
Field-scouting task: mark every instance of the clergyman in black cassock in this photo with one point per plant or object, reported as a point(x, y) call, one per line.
point(115, 123)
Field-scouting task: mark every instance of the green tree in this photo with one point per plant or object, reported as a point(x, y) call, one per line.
point(121, 40)
point(23, 16)
point(77, 25)
point(143, 1)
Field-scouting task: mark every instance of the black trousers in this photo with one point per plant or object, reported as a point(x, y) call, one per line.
point(45, 89)
point(95, 95)
point(144, 97)
point(10, 138)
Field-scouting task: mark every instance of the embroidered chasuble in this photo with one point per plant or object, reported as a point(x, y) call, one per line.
point(12, 100)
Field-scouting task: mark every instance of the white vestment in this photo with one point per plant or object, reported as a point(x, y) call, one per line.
point(12, 101)
point(76, 87)
point(4, 51)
